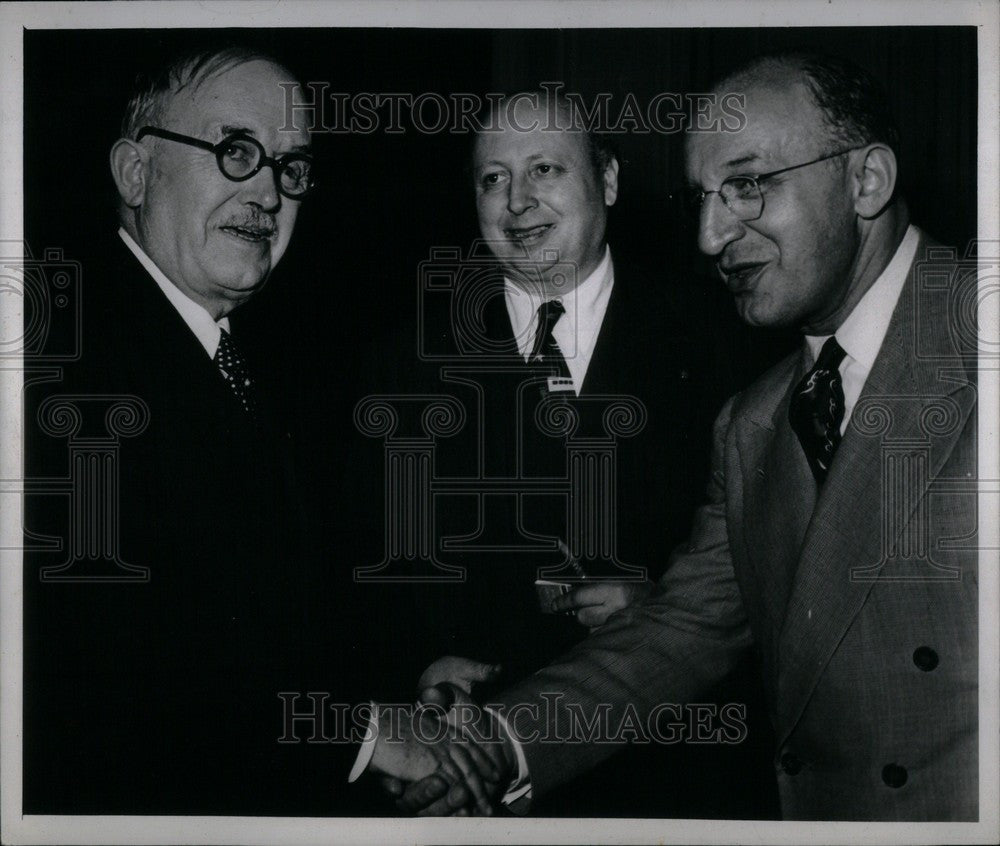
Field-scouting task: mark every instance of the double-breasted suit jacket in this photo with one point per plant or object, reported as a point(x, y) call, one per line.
point(860, 598)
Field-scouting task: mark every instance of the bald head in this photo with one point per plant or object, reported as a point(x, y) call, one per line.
point(798, 208)
point(851, 103)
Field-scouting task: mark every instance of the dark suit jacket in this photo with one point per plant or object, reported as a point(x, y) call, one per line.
point(161, 695)
point(663, 354)
point(863, 607)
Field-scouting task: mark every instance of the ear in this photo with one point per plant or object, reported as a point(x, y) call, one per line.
point(611, 182)
point(875, 180)
point(129, 168)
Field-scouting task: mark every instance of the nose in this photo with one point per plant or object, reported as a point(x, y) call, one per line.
point(521, 196)
point(718, 226)
point(262, 189)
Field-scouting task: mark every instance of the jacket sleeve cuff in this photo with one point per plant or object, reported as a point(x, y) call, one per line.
point(518, 795)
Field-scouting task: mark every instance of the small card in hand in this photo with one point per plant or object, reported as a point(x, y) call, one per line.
point(548, 591)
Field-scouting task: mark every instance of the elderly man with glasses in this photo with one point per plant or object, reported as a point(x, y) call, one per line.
point(153, 676)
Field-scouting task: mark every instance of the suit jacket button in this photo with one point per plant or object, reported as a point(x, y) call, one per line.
point(790, 763)
point(894, 775)
point(925, 658)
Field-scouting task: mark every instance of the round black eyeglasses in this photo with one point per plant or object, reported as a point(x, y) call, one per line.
point(240, 157)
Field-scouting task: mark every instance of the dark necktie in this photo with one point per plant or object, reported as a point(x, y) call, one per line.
point(545, 351)
point(817, 409)
point(233, 367)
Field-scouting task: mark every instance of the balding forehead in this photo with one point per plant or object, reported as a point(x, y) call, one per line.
point(520, 141)
point(527, 108)
point(775, 73)
point(776, 106)
point(778, 97)
point(782, 122)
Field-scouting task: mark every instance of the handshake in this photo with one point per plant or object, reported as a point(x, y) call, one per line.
point(449, 756)
point(446, 755)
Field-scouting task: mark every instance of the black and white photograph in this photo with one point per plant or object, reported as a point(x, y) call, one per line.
point(499, 422)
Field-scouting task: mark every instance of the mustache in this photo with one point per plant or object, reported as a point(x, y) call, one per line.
point(260, 224)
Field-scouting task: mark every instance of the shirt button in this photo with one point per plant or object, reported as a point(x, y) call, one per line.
point(925, 658)
point(894, 775)
point(791, 764)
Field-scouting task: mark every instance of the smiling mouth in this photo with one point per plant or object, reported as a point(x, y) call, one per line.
point(249, 233)
point(742, 278)
point(528, 234)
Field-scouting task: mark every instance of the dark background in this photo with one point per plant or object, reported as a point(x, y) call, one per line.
point(351, 272)
point(387, 199)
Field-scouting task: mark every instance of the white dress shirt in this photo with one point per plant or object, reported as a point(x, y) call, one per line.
point(862, 333)
point(206, 329)
point(577, 329)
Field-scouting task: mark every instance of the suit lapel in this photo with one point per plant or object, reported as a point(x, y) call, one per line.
point(778, 499)
point(498, 329)
point(610, 357)
point(639, 342)
point(845, 532)
point(165, 340)
point(168, 366)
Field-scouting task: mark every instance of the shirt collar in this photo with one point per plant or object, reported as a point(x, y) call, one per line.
point(198, 320)
point(580, 303)
point(862, 332)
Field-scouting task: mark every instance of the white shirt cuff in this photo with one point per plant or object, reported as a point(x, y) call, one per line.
point(367, 749)
point(520, 786)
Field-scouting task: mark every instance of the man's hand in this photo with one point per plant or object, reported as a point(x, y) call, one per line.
point(480, 736)
point(594, 602)
point(397, 752)
point(463, 673)
point(414, 743)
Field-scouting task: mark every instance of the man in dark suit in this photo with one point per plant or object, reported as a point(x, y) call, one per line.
point(839, 486)
point(156, 653)
point(589, 387)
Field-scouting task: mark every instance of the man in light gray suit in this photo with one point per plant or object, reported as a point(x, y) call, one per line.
point(836, 539)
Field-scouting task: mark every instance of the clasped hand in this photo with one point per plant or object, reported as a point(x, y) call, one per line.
point(445, 756)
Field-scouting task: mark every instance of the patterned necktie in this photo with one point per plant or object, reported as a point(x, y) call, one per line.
point(233, 367)
point(545, 350)
point(817, 409)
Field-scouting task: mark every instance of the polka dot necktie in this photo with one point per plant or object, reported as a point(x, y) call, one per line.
point(545, 351)
point(817, 409)
point(233, 367)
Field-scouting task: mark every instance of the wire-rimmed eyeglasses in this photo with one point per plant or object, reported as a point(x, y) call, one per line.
point(742, 194)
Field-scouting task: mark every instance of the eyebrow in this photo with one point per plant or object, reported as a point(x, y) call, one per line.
point(742, 160)
point(738, 162)
point(246, 130)
point(534, 157)
point(233, 130)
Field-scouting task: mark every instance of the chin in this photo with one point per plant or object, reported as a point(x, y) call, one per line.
point(239, 287)
point(760, 315)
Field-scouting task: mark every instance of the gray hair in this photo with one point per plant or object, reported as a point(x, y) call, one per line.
point(152, 93)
